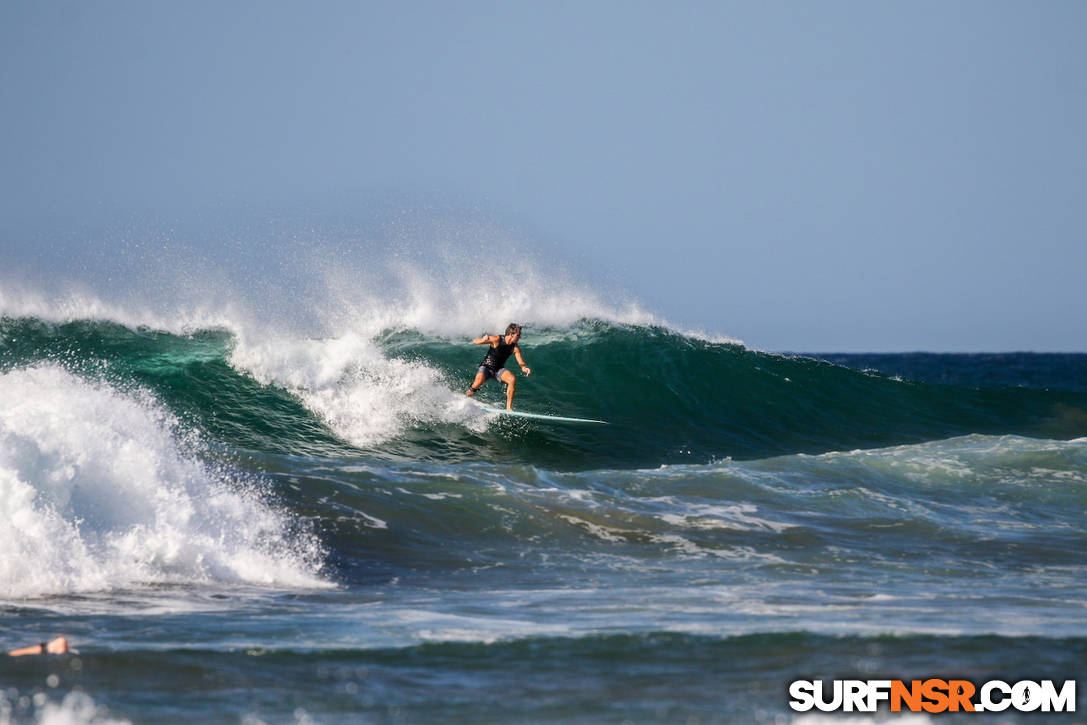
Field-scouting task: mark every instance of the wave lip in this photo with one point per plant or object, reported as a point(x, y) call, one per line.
point(99, 494)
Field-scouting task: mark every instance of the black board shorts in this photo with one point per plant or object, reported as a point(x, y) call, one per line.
point(486, 372)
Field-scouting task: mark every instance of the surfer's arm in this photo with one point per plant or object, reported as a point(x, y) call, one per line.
point(521, 361)
point(485, 340)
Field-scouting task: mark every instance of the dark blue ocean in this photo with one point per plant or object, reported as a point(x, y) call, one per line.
point(242, 517)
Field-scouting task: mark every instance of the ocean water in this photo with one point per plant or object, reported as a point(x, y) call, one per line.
point(241, 515)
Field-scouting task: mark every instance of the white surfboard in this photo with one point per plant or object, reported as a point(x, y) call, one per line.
point(536, 416)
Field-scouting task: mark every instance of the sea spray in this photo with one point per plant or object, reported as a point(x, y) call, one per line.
point(98, 494)
point(272, 279)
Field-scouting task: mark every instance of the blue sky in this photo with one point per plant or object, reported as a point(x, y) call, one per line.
point(804, 176)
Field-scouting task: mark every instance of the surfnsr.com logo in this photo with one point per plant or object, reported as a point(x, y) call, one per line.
point(933, 696)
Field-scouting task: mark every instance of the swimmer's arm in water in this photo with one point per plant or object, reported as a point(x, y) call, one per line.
point(56, 646)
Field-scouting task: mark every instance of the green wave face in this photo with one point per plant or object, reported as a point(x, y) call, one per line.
point(190, 374)
point(672, 398)
point(669, 398)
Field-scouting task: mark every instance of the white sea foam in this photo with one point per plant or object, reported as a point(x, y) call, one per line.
point(428, 625)
point(77, 708)
point(97, 494)
point(709, 516)
point(363, 396)
point(604, 533)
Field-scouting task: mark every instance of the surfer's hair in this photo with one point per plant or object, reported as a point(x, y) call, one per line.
point(513, 328)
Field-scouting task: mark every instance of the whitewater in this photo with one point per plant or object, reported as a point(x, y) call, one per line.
point(253, 491)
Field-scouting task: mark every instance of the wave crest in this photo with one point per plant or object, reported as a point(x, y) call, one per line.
point(99, 495)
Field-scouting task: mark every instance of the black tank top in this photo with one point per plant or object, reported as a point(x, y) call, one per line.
point(497, 356)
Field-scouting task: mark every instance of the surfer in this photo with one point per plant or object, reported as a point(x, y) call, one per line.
point(502, 346)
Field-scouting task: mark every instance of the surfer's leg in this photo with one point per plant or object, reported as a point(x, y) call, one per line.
point(476, 384)
point(511, 383)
